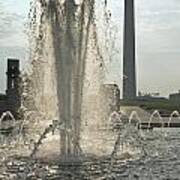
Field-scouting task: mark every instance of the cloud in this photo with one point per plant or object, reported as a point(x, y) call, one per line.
point(11, 26)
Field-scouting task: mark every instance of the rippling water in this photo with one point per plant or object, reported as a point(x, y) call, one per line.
point(161, 161)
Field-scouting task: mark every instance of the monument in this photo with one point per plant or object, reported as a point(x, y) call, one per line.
point(10, 101)
point(129, 67)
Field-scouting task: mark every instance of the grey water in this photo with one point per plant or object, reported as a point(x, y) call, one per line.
point(163, 165)
point(160, 162)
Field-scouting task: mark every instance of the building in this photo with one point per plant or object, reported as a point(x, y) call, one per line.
point(150, 98)
point(10, 101)
point(175, 98)
point(129, 67)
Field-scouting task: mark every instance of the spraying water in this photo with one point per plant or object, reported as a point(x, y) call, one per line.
point(66, 56)
point(5, 115)
point(155, 115)
point(172, 115)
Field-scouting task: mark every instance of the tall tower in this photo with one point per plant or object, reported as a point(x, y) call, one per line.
point(129, 63)
point(13, 78)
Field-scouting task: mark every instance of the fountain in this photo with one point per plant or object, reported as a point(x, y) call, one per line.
point(134, 115)
point(8, 115)
point(67, 70)
point(158, 117)
point(173, 114)
point(61, 100)
point(7, 123)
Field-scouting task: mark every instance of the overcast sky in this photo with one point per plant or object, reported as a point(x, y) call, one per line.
point(157, 36)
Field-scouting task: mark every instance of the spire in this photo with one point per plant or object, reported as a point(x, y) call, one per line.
point(129, 62)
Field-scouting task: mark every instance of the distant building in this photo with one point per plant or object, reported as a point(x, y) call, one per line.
point(151, 98)
point(154, 97)
point(10, 101)
point(175, 97)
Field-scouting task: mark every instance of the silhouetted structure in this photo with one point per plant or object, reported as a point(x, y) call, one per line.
point(11, 100)
point(129, 67)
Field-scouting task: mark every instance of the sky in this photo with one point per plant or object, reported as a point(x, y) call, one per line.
point(157, 42)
